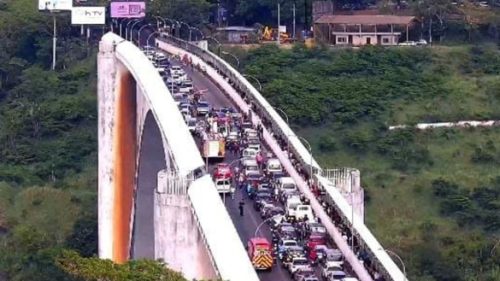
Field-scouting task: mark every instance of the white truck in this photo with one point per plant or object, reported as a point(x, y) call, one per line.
point(224, 186)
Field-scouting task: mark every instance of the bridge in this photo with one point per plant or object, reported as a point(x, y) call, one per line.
point(156, 198)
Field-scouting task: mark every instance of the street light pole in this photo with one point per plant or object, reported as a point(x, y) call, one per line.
point(262, 223)
point(139, 34)
point(253, 77)
point(149, 37)
point(126, 28)
point(279, 22)
point(54, 42)
point(400, 259)
point(235, 57)
point(131, 38)
point(218, 45)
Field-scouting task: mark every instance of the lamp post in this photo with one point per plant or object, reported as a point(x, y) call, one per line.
point(126, 27)
point(197, 29)
point(310, 150)
point(262, 223)
point(139, 33)
point(189, 29)
point(149, 37)
point(235, 57)
point(158, 20)
point(219, 45)
point(120, 25)
point(131, 38)
point(253, 77)
point(400, 260)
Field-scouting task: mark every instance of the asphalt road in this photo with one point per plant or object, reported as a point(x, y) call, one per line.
point(246, 225)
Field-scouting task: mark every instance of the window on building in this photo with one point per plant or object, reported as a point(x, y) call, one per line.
point(341, 39)
point(386, 40)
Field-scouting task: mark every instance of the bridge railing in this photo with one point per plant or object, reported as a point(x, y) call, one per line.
point(372, 249)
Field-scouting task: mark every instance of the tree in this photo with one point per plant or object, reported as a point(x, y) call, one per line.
point(95, 269)
point(431, 10)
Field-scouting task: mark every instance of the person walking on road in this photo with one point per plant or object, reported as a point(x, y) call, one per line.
point(240, 207)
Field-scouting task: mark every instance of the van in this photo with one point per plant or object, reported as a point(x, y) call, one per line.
point(301, 211)
point(291, 204)
point(286, 185)
point(249, 153)
point(224, 186)
point(250, 166)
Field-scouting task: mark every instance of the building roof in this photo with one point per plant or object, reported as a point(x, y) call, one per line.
point(236, 28)
point(366, 19)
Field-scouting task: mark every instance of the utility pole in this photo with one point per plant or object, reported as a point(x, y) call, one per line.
point(293, 36)
point(54, 42)
point(279, 20)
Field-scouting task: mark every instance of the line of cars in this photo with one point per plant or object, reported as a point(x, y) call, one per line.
point(299, 241)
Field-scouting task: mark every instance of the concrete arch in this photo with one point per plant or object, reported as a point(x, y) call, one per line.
point(151, 160)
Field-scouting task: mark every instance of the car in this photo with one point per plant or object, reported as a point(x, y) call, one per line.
point(327, 270)
point(262, 199)
point(202, 108)
point(273, 165)
point(284, 245)
point(298, 263)
point(332, 257)
point(315, 227)
point(191, 123)
point(187, 85)
point(176, 69)
point(222, 171)
point(302, 273)
point(286, 231)
point(185, 109)
point(349, 279)
point(250, 166)
point(286, 185)
point(289, 253)
point(271, 211)
point(314, 240)
point(336, 275)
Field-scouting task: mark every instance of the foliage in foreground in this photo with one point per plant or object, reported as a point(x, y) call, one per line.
point(95, 269)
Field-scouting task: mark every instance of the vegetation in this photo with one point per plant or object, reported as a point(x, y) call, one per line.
point(431, 196)
point(95, 269)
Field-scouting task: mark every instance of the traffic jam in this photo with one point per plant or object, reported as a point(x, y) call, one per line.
point(238, 162)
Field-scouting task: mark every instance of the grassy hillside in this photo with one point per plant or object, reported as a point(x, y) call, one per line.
point(433, 197)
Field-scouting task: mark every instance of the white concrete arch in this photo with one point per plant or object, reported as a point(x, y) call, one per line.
point(135, 106)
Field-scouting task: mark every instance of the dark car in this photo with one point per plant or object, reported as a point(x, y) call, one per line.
point(260, 199)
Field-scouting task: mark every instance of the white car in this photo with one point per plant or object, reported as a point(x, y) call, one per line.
point(298, 263)
point(224, 186)
point(328, 270)
point(286, 185)
point(176, 70)
point(301, 211)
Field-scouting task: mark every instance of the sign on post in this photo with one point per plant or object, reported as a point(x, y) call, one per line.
point(128, 9)
point(88, 15)
point(61, 5)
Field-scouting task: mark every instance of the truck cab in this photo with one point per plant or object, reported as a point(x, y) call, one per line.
point(259, 251)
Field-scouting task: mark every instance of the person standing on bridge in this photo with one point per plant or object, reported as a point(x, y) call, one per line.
point(240, 207)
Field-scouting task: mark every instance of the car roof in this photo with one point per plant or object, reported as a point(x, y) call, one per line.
point(287, 180)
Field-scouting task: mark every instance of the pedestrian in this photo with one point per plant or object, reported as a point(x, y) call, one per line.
point(240, 207)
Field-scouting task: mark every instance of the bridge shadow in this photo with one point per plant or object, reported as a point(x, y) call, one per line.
point(151, 161)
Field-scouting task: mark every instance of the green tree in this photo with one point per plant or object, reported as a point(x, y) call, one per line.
point(95, 269)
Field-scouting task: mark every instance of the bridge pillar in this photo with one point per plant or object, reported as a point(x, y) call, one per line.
point(177, 237)
point(117, 154)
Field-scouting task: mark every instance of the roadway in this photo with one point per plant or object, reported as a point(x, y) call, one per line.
point(247, 224)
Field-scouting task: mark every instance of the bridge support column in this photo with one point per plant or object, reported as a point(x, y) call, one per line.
point(177, 236)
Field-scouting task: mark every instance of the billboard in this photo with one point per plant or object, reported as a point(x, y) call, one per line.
point(88, 15)
point(128, 9)
point(63, 5)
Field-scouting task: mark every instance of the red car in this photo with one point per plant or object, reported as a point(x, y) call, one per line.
point(314, 240)
point(222, 171)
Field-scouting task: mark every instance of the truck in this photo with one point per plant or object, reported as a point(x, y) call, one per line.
point(260, 253)
point(214, 145)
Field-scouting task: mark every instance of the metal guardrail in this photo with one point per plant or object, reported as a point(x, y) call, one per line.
point(373, 250)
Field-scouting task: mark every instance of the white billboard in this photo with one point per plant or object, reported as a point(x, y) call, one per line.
point(63, 5)
point(88, 15)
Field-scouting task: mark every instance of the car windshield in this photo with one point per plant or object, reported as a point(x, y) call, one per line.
point(288, 186)
point(300, 262)
point(252, 168)
point(192, 123)
point(290, 243)
point(202, 104)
